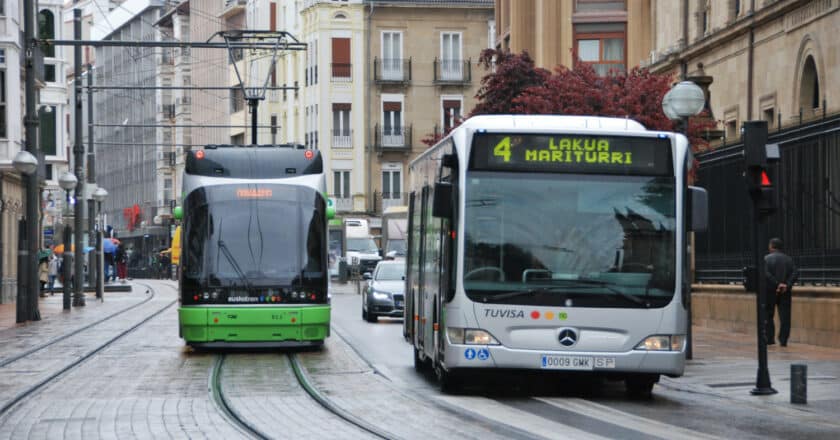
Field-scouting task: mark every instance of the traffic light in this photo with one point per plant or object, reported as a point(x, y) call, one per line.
point(758, 156)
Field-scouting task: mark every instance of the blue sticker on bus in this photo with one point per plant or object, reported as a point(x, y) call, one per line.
point(469, 354)
point(483, 354)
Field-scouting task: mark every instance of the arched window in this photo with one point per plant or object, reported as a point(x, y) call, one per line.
point(340, 16)
point(46, 30)
point(809, 88)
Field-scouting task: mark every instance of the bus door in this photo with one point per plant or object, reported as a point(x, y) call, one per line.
point(425, 216)
point(409, 325)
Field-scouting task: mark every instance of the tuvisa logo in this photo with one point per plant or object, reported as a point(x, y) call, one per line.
point(503, 313)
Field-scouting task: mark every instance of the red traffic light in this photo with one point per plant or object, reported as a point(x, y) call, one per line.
point(765, 179)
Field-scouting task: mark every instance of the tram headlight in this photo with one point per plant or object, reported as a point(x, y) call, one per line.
point(470, 336)
point(662, 343)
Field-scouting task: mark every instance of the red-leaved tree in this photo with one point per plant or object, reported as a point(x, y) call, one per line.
point(516, 86)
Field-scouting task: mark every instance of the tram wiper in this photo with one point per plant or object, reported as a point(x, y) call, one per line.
point(235, 265)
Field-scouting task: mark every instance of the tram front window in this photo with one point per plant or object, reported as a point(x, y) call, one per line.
point(271, 241)
point(570, 240)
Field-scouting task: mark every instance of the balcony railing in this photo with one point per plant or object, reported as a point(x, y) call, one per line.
point(383, 200)
point(392, 138)
point(391, 70)
point(342, 138)
point(343, 204)
point(452, 71)
point(341, 72)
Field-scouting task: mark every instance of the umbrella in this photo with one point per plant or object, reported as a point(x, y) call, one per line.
point(60, 249)
point(113, 240)
point(44, 253)
point(108, 246)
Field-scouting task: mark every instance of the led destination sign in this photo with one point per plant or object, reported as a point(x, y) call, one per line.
point(570, 153)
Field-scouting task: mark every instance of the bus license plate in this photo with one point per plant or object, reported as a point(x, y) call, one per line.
point(553, 362)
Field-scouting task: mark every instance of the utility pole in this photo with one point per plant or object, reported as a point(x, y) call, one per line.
point(29, 286)
point(78, 165)
point(94, 234)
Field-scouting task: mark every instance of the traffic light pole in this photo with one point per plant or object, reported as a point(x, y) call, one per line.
point(762, 381)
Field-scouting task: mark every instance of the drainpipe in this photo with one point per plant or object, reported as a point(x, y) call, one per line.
point(750, 72)
point(368, 148)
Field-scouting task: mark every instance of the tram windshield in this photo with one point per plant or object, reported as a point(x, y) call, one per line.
point(570, 239)
point(254, 236)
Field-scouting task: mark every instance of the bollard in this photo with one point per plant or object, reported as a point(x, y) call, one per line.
point(799, 383)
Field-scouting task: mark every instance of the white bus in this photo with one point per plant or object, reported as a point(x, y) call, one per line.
point(551, 243)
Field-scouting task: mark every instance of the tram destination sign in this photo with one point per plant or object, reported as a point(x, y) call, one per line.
point(572, 153)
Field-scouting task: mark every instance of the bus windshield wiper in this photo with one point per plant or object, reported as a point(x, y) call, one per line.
point(234, 264)
point(526, 292)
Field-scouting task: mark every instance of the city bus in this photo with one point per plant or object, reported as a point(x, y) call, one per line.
point(553, 244)
point(254, 265)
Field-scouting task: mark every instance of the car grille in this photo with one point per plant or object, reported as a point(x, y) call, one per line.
point(368, 265)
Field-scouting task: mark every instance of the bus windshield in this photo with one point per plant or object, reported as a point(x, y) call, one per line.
point(272, 236)
point(569, 239)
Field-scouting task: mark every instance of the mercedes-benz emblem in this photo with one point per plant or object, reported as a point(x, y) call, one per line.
point(567, 337)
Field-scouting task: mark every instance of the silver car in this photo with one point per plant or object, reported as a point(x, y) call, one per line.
point(384, 294)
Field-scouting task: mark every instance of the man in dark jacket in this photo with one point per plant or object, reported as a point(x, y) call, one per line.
point(781, 274)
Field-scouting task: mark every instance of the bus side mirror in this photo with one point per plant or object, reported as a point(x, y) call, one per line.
point(442, 203)
point(698, 202)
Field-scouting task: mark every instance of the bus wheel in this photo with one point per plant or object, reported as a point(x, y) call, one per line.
point(449, 382)
point(641, 386)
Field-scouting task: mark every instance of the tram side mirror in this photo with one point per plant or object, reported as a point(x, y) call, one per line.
point(442, 203)
point(698, 202)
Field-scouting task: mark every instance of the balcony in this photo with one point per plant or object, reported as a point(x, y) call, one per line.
point(342, 138)
point(233, 7)
point(341, 72)
point(392, 138)
point(343, 204)
point(452, 72)
point(392, 71)
point(383, 200)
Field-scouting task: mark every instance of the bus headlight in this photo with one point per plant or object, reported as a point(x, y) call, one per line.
point(470, 336)
point(662, 343)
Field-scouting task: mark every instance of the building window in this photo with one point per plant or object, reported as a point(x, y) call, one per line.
point(47, 130)
point(809, 89)
point(734, 9)
point(238, 139)
point(46, 30)
point(450, 53)
point(341, 184)
point(391, 184)
point(274, 129)
point(732, 129)
point(2, 54)
point(392, 55)
point(341, 59)
point(341, 125)
point(167, 189)
point(769, 115)
point(451, 113)
point(601, 46)
point(237, 99)
point(600, 5)
point(3, 103)
point(392, 124)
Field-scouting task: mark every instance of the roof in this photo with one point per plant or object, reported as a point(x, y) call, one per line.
point(567, 122)
point(123, 14)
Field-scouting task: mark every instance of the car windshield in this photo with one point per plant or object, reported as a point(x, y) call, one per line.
point(390, 272)
point(365, 245)
point(234, 241)
point(591, 239)
point(397, 246)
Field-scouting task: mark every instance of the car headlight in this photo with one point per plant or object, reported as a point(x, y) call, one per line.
point(470, 336)
point(381, 295)
point(662, 343)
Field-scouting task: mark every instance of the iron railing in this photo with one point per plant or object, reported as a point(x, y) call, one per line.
point(341, 72)
point(452, 71)
point(342, 138)
point(807, 180)
point(392, 138)
point(391, 70)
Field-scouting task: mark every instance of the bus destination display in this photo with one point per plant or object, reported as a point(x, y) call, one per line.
point(570, 153)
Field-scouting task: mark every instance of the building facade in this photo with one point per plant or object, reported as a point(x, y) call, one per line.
point(609, 34)
point(422, 78)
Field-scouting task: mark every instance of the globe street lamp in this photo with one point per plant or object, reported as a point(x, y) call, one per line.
point(99, 196)
point(67, 181)
point(27, 299)
point(684, 100)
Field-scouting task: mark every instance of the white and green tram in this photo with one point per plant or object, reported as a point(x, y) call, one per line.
point(551, 243)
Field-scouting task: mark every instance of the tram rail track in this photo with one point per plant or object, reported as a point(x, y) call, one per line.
point(36, 387)
point(15, 358)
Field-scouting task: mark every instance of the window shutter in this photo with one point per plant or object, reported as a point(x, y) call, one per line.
point(392, 106)
point(338, 106)
point(341, 51)
point(447, 104)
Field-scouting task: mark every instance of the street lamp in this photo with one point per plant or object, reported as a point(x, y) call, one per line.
point(67, 181)
point(99, 196)
point(27, 301)
point(684, 100)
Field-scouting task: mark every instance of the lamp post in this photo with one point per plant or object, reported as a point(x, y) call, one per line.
point(67, 181)
point(27, 298)
point(99, 196)
point(684, 100)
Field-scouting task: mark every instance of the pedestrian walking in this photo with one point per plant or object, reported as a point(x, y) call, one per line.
point(110, 273)
point(52, 268)
point(43, 275)
point(780, 273)
point(121, 258)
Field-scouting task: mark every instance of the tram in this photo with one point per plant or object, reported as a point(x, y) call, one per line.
point(554, 244)
point(254, 269)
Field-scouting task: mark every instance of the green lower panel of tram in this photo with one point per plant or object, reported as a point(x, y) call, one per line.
point(202, 325)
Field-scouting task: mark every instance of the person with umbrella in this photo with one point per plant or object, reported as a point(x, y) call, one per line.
point(109, 248)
